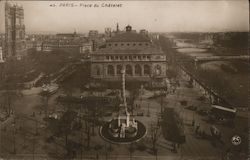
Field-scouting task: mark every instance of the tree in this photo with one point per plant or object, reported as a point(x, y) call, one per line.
point(9, 96)
point(133, 96)
point(45, 98)
point(131, 150)
point(154, 135)
point(66, 123)
point(63, 126)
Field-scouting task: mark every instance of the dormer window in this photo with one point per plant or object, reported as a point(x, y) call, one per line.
point(128, 28)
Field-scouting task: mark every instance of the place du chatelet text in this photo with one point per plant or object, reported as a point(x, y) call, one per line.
point(87, 5)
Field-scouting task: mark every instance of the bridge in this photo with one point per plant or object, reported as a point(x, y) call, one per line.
point(222, 58)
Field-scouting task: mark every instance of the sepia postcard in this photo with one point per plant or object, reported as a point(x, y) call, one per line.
point(124, 80)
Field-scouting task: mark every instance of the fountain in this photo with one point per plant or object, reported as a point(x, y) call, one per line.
point(123, 128)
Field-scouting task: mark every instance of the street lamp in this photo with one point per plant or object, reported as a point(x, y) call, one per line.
point(148, 113)
point(1, 69)
point(14, 136)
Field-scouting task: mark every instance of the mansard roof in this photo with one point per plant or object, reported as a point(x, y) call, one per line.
point(129, 37)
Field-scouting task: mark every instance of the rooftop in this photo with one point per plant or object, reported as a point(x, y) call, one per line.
point(129, 37)
point(152, 50)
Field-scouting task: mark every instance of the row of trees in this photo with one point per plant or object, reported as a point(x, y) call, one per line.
point(171, 127)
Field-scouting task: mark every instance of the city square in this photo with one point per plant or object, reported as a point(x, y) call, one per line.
point(124, 92)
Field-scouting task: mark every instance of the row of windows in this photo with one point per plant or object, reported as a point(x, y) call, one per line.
point(127, 44)
point(130, 57)
point(129, 70)
point(138, 70)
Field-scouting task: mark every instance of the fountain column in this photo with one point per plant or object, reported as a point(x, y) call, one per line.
point(124, 89)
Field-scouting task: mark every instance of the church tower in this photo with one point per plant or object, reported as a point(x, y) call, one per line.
point(14, 31)
point(117, 27)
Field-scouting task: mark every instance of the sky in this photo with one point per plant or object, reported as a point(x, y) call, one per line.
point(154, 16)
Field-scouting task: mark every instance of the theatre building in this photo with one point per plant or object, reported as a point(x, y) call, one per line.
point(131, 51)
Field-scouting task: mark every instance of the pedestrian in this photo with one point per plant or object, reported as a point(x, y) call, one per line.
point(193, 122)
point(197, 129)
point(203, 134)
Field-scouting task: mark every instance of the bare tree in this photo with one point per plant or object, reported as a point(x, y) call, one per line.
point(45, 98)
point(154, 135)
point(9, 97)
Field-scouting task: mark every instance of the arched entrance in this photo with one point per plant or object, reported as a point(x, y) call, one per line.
point(111, 70)
point(138, 70)
point(118, 69)
point(146, 69)
point(129, 70)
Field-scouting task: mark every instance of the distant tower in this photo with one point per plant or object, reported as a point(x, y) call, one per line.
point(128, 28)
point(117, 27)
point(14, 31)
point(74, 32)
point(1, 55)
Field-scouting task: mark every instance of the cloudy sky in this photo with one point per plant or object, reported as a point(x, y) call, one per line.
point(155, 16)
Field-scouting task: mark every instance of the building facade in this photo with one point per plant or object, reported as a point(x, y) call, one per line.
point(93, 34)
point(133, 52)
point(1, 55)
point(14, 31)
point(67, 42)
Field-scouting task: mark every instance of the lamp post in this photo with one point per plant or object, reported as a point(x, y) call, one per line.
point(14, 136)
point(148, 113)
point(2, 64)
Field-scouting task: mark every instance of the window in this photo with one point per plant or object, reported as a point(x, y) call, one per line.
point(122, 44)
point(146, 69)
point(138, 70)
point(98, 71)
point(129, 70)
point(134, 44)
point(116, 44)
point(127, 44)
point(146, 44)
point(158, 70)
point(148, 57)
point(109, 44)
point(139, 44)
point(119, 69)
point(111, 70)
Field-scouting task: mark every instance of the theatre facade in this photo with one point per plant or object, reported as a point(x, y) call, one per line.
point(131, 51)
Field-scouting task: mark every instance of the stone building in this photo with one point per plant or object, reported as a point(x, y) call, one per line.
point(131, 51)
point(14, 31)
point(1, 55)
point(68, 42)
point(93, 34)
